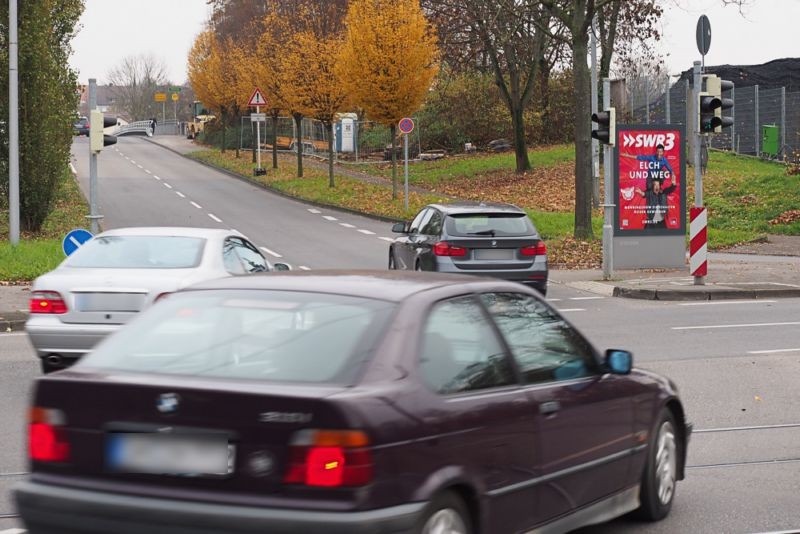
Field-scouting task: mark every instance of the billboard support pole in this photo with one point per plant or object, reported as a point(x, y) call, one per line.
point(698, 176)
point(608, 205)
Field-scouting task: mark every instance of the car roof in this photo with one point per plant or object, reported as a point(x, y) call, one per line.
point(179, 231)
point(468, 206)
point(380, 285)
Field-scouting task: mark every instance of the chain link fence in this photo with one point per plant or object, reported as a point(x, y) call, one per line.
point(662, 101)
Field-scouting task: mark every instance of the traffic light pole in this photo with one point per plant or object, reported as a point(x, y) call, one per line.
point(13, 125)
point(698, 176)
point(93, 216)
point(608, 205)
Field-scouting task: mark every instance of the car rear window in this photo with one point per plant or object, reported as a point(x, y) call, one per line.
point(139, 252)
point(490, 224)
point(280, 336)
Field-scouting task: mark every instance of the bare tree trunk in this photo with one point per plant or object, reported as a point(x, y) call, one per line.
point(520, 143)
point(394, 163)
point(583, 144)
point(275, 139)
point(238, 122)
point(223, 132)
point(298, 121)
point(330, 155)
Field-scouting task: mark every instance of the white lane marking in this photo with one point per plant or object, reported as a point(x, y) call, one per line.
point(741, 428)
point(147, 171)
point(271, 252)
point(329, 218)
point(774, 351)
point(120, 153)
point(72, 168)
point(12, 334)
point(571, 309)
point(304, 268)
point(366, 232)
point(126, 157)
point(389, 239)
point(214, 217)
point(156, 177)
point(167, 185)
point(195, 204)
point(312, 210)
point(139, 166)
point(724, 302)
point(180, 194)
point(347, 225)
point(746, 325)
point(586, 298)
point(553, 300)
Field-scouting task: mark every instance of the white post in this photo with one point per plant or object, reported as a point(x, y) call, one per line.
point(595, 142)
point(258, 141)
point(697, 136)
point(13, 126)
point(93, 216)
point(405, 150)
point(608, 204)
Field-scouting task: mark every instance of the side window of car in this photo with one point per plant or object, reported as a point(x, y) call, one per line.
point(416, 224)
point(251, 258)
point(460, 351)
point(544, 346)
point(433, 225)
point(230, 258)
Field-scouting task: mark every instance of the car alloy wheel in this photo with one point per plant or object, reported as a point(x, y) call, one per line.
point(666, 463)
point(445, 521)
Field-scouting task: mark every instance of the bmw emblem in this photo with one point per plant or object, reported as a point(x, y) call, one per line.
point(167, 403)
point(494, 243)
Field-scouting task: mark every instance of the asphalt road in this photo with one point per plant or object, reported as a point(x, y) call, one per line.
point(736, 363)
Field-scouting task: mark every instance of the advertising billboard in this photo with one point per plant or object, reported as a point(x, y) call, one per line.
point(650, 180)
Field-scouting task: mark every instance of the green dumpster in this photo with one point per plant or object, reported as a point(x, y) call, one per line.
point(769, 140)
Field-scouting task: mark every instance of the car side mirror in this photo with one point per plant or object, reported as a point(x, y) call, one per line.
point(281, 267)
point(619, 362)
point(399, 228)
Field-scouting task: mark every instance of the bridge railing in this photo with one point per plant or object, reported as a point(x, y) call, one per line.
point(135, 128)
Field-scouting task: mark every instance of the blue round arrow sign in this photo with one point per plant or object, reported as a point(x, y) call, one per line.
point(74, 239)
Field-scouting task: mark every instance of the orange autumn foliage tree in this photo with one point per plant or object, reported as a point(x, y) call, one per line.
point(389, 60)
point(311, 71)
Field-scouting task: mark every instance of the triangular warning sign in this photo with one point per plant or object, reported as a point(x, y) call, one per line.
point(257, 99)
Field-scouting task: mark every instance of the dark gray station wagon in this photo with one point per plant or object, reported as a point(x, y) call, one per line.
point(482, 238)
point(350, 402)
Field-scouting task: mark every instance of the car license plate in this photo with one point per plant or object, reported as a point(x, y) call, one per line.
point(494, 254)
point(109, 302)
point(170, 454)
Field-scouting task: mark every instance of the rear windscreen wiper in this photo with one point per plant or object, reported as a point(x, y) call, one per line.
point(483, 232)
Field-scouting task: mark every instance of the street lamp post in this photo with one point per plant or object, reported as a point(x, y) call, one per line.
point(13, 125)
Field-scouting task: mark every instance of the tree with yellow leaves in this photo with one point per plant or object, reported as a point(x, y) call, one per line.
point(389, 60)
point(312, 73)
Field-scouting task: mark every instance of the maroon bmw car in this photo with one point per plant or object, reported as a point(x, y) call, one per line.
point(350, 402)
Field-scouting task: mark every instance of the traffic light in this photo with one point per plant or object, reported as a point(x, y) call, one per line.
point(725, 104)
point(97, 122)
point(606, 131)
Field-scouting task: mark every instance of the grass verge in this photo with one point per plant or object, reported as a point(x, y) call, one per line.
point(40, 252)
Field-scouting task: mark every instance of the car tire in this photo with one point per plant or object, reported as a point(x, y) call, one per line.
point(660, 475)
point(48, 367)
point(446, 513)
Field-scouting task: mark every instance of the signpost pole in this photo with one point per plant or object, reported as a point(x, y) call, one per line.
point(405, 170)
point(595, 142)
point(93, 162)
point(13, 125)
point(608, 205)
point(698, 176)
point(258, 139)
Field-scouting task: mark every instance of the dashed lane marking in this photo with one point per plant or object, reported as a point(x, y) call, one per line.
point(215, 217)
point(347, 225)
point(329, 218)
point(195, 204)
point(774, 351)
point(389, 239)
point(139, 166)
point(271, 252)
point(167, 185)
point(572, 309)
point(147, 171)
point(312, 210)
point(366, 232)
point(180, 194)
point(586, 298)
point(156, 177)
point(304, 268)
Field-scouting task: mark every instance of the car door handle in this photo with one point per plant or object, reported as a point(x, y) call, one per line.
point(549, 408)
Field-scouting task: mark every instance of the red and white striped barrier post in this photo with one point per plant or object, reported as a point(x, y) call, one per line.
point(698, 244)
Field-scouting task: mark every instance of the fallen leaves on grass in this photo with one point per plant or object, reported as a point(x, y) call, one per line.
point(787, 217)
point(571, 253)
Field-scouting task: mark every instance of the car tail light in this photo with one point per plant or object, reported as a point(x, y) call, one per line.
point(443, 248)
point(47, 302)
point(47, 438)
point(539, 249)
point(329, 458)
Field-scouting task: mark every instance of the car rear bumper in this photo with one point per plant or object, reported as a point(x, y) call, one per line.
point(49, 509)
point(49, 335)
point(535, 275)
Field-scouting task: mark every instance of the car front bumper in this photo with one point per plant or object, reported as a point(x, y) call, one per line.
point(49, 335)
point(47, 509)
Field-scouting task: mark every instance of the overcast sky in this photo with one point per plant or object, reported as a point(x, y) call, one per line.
point(113, 29)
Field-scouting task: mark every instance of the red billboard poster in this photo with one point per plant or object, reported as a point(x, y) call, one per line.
point(650, 180)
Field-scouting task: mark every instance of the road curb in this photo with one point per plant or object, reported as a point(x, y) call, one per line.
point(12, 321)
point(271, 189)
point(707, 293)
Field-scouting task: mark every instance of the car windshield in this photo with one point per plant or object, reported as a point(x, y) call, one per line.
point(282, 336)
point(489, 224)
point(138, 252)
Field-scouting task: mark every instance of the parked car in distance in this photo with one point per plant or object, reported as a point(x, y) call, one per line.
point(350, 402)
point(120, 272)
point(81, 126)
point(482, 238)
